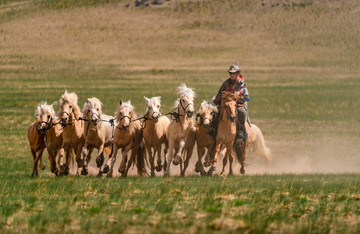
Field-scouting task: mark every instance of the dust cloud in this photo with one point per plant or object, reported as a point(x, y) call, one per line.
point(307, 156)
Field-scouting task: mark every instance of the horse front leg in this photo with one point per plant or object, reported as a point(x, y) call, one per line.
point(177, 157)
point(100, 159)
point(199, 166)
point(106, 167)
point(187, 160)
point(85, 154)
point(78, 158)
point(112, 160)
point(151, 160)
point(52, 161)
point(36, 157)
point(169, 159)
point(243, 146)
point(123, 169)
point(214, 161)
point(224, 163)
point(231, 159)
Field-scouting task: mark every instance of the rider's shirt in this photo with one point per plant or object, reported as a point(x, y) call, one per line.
point(234, 86)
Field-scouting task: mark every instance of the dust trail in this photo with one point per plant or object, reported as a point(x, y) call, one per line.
point(312, 155)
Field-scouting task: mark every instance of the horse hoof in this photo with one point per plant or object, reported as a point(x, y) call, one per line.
point(158, 168)
point(207, 164)
point(84, 172)
point(121, 170)
point(166, 174)
point(106, 169)
point(99, 161)
point(242, 170)
point(109, 175)
point(100, 174)
point(152, 174)
point(176, 160)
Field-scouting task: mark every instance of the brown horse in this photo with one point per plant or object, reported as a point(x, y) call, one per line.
point(204, 141)
point(36, 136)
point(181, 129)
point(226, 135)
point(226, 129)
point(127, 136)
point(98, 133)
point(51, 134)
point(154, 132)
point(73, 131)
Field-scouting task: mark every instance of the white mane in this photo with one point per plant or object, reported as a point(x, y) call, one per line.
point(44, 108)
point(92, 103)
point(207, 105)
point(70, 98)
point(186, 92)
point(125, 105)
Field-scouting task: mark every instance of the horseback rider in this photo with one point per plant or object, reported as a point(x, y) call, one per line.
point(235, 84)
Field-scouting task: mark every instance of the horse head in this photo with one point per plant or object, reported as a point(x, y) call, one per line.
point(186, 101)
point(68, 107)
point(153, 108)
point(125, 114)
point(44, 114)
point(228, 104)
point(92, 110)
point(206, 114)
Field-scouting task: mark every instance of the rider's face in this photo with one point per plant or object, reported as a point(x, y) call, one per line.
point(233, 75)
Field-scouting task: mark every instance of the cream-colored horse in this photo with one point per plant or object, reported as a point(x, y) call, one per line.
point(154, 132)
point(98, 133)
point(256, 142)
point(73, 131)
point(181, 129)
point(127, 136)
point(204, 141)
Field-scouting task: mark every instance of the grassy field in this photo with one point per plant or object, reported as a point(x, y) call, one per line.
point(301, 64)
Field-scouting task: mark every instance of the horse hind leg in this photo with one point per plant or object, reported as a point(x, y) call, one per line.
point(159, 167)
point(231, 160)
point(243, 152)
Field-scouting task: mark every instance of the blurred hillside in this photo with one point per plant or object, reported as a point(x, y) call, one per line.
point(319, 37)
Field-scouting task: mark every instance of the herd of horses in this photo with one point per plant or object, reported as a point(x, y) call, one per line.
point(74, 133)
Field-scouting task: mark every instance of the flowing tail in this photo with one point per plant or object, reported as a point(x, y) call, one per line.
point(259, 145)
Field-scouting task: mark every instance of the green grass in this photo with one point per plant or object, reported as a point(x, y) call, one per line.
point(301, 67)
point(290, 203)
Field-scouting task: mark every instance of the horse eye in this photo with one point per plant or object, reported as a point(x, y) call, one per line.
point(88, 111)
point(48, 116)
point(70, 106)
point(158, 106)
point(97, 109)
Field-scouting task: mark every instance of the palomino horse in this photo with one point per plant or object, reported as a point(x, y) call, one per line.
point(226, 135)
point(154, 132)
point(127, 136)
point(181, 129)
point(35, 135)
point(52, 135)
point(226, 129)
point(98, 133)
point(73, 131)
point(204, 141)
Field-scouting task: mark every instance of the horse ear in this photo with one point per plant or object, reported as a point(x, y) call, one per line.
point(147, 100)
point(159, 97)
point(54, 103)
point(120, 102)
point(87, 100)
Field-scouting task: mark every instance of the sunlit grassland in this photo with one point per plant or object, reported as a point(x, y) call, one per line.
point(301, 65)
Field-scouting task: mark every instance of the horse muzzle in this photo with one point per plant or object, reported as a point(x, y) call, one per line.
point(126, 127)
point(155, 118)
point(206, 125)
point(189, 114)
point(232, 118)
point(64, 120)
